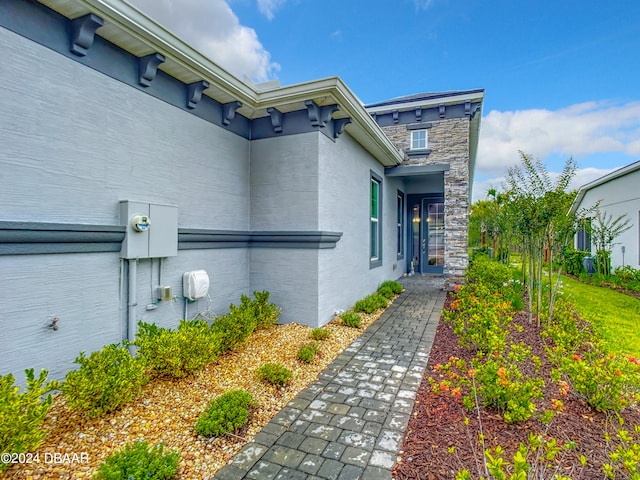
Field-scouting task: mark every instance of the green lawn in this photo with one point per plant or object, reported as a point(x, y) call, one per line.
point(615, 316)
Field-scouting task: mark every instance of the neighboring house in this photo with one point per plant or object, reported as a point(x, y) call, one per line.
point(127, 159)
point(617, 194)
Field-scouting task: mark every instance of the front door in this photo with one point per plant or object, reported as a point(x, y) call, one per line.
point(427, 234)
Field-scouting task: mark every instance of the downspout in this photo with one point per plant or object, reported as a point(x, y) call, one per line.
point(133, 301)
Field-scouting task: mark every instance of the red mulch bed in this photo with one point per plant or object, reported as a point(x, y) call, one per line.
point(437, 422)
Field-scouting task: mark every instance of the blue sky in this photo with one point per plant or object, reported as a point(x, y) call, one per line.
point(561, 78)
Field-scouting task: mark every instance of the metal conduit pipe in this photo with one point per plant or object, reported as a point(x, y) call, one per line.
point(133, 301)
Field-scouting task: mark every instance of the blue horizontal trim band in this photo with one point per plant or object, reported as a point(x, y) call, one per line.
point(26, 238)
point(30, 238)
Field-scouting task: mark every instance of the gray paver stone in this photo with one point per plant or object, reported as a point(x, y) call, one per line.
point(311, 464)
point(287, 457)
point(355, 456)
point(264, 470)
point(351, 472)
point(330, 469)
point(313, 445)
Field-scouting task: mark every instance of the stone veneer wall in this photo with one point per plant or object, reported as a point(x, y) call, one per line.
point(448, 141)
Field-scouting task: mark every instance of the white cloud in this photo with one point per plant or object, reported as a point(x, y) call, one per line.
point(211, 27)
point(423, 4)
point(269, 7)
point(582, 129)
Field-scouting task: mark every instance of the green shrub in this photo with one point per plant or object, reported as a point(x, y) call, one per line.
point(490, 272)
point(225, 414)
point(22, 413)
point(370, 303)
point(177, 353)
point(625, 459)
point(386, 292)
point(274, 373)
point(236, 327)
point(396, 287)
point(572, 260)
point(307, 352)
point(351, 319)
point(266, 313)
point(480, 317)
point(496, 381)
point(105, 380)
point(320, 334)
point(139, 462)
point(605, 382)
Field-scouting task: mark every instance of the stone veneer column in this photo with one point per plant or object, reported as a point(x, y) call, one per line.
point(449, 143)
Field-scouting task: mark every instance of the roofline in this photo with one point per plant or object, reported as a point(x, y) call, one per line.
point(447, 98)
point(136, 23)
point(620, 172)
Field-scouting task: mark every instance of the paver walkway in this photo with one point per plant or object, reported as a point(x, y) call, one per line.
point(350, 423)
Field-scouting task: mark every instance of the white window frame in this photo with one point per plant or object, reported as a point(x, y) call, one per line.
point(417, 142)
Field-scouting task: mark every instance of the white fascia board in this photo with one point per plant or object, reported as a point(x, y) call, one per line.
point(432, 102)
point(334, 90)
point(137, 24)
point(599, 181)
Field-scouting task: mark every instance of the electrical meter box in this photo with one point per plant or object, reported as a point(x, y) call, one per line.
point(151, 230)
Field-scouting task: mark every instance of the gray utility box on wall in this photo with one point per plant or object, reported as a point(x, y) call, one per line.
point(152, 230)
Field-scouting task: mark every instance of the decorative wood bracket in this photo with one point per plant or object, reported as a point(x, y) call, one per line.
point(467, 108)
point(476, 109)
point(229, 111)
point(276, 119)
point(338, 126)
point(320, 116)
point(395, 116)
point(419, 114)
point(83, 32)
point(441, 109)
point(194, 92)
point(148, 68)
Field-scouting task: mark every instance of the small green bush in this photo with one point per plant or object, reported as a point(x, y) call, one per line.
point(320, 334)
point(370, 303)
point(274, 373)
point(177, 353)
point(225, 414)
point(396, 287)
point(266, 313)
point(22, 413)
point(307, 352)
point(352, 319)
point(236, 327)
point(139, 462)
point(105, 380)
point(386, 292)
point(605, 382)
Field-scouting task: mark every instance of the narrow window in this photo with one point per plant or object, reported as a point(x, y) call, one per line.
point(418, 139)
point(584, 236)
point(400, 224)
point(375, 242)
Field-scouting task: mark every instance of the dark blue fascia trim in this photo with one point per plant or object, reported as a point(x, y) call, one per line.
point(295, 239)
point(190, 239)
point(29, 238)
point(427, 115)
point(48, 28)
point(25, 238)
point(414, 170)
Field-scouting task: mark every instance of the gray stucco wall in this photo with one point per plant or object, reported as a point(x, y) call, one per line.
point(344, 272)
point(284, 196)
point(617, 197)
point(73, 143)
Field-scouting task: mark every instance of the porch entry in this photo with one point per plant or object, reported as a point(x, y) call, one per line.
point(426, 234)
